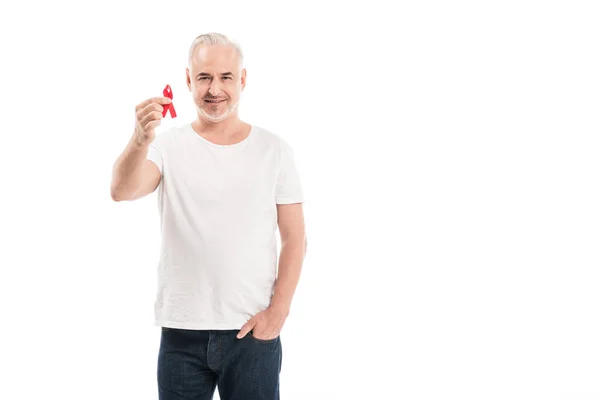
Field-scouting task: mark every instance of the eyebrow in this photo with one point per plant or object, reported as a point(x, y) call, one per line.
point(205, 74)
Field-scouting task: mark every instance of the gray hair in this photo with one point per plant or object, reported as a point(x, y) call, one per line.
point(212, 39)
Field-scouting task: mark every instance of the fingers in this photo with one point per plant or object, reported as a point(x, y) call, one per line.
point(245, 329)
point(148, 115)
point(151, 112)
point(141, 113)
point(151, 117)
point(156, 100)
point(152, 125)
point(153, 106)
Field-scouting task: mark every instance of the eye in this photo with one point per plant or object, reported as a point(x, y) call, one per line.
point(202, 78)
point(226, 77)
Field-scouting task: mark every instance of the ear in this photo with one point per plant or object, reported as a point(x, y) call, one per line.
point(243, 78)
point(187, 79)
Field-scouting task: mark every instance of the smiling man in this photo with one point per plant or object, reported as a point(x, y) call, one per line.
point(224, 189)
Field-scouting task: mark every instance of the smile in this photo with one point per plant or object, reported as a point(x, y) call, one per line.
point(215, 101)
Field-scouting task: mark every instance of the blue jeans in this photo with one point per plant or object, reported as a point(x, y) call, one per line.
point(191, 363)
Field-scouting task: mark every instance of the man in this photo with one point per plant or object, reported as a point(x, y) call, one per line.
point(224, 187)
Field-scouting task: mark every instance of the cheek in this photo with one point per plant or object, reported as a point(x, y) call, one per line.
point(199, 93)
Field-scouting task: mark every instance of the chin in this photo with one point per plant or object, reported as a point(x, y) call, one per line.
point(216, 117)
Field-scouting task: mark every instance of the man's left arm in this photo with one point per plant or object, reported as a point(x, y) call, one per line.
point(290, 219)
point(267, 324)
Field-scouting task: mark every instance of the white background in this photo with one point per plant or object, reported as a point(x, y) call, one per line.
point(449, 155)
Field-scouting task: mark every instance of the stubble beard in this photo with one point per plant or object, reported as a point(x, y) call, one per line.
point(213, 118)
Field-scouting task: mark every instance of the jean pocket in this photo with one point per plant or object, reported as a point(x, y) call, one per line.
point(262, 340)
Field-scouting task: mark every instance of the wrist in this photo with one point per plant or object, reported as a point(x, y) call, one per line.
point(280, 308)
point(138, 142)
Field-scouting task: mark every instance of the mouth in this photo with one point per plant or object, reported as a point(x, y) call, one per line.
point(214, 101)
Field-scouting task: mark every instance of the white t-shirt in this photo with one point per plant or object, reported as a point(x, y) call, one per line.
point(218, 216)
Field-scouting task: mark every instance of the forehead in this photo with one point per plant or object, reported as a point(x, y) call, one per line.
point(214, 58)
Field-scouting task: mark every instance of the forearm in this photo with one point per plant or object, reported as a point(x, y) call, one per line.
point(290, 266)
point(127, 170)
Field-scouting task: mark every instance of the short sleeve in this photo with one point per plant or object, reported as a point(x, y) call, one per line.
point(288, 189)
point(155, 155)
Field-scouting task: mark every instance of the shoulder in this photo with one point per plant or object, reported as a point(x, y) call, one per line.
point(270, 138)
point(170, 137)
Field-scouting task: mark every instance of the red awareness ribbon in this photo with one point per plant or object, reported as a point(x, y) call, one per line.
point(168, 93)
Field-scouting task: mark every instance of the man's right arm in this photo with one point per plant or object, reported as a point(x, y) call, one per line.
point(134, 176)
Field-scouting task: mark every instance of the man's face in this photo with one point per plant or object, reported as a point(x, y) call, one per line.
point(216, 81)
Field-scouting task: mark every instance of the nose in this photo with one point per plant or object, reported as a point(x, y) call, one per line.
point(214, 88)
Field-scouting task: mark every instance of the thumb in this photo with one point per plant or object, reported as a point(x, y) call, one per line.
point(245, 329)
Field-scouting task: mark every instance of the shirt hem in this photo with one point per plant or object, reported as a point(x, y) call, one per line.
point(288, 201)
point(201, 326)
